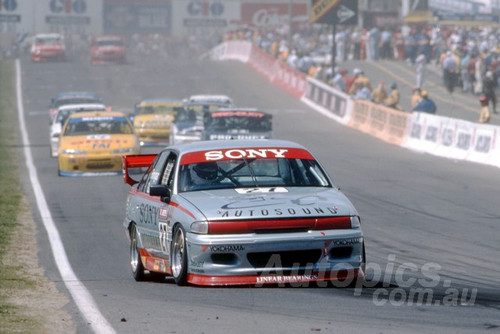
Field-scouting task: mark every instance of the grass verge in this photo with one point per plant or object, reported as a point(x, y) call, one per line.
point(12, 318)
point(29, 302)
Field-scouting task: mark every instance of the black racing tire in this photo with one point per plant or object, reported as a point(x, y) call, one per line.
point(179, 256)
point(135, 257)
point(363, 263)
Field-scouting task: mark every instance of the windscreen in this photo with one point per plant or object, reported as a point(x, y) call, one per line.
point(97, 125)
point(48, 40)
point(62, 115)
point(109, 42)
point(247, 173)
point(237, 120)
point(170, 109)
point(76, 100)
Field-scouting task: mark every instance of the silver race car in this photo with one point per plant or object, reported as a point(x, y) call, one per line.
point(239, 212)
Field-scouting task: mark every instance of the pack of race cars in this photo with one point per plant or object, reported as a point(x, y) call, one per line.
point(84, 133)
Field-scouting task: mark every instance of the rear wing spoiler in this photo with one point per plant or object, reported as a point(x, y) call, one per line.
point(135, 161)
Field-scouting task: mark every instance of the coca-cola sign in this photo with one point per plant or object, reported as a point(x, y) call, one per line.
point(268, 14)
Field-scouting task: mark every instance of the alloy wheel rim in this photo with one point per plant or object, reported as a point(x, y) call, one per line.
point(178, 253)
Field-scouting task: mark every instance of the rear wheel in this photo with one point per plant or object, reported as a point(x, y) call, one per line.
point(179, 256)
point(135, 257)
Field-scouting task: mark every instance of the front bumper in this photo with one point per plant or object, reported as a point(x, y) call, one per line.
point(153, 137)
point(108, 59)
point(274, 258)
point(48, 56)
point(90, 164)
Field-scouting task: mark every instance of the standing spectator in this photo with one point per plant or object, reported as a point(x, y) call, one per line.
point(415, 97)
point(410, 47)
point(489, 87)
point(363, 53)
point(385, 40)
point(436, 44)
point(471, 72)
point(423, 44)
point(478, 72)
point(464, 72)
point(398, 42)
point(356, 42)
point(426, 104)
point(373, 40)
point(449, 70)
point(340, 41)
point(484, 112)
point(420, 68)
point(379, 94)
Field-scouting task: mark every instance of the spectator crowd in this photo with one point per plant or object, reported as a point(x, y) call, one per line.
point(468, 58)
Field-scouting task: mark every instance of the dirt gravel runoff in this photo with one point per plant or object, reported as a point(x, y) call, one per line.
point(39, 307)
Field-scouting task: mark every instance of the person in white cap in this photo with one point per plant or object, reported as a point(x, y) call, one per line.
point(360, 78)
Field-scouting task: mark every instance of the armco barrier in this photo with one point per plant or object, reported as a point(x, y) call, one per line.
point(437, 135)
point(291, 80)
point(454, 138)
point(235, 50)
point(330, 102)
point(262, 62)
point(382, 122)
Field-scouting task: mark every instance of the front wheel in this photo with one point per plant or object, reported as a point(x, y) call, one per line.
point(135, 257)
point(179, 256)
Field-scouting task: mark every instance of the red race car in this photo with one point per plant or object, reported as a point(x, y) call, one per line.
point(48, 47)
point(106, 49)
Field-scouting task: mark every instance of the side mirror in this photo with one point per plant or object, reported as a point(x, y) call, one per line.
point(160, 190)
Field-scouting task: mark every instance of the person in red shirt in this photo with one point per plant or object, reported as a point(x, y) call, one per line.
point(348, 80)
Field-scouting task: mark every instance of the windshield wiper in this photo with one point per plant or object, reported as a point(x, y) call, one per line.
point(251, 171)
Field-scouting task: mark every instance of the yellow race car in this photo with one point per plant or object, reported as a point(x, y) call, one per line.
point(152, 120)
point(93, 143)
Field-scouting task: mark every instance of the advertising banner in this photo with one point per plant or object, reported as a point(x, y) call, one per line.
point(454, 138)
point(68, 17)
point(334, 11)
point(15, 16)
point(273, 14)
point(379, 121)
point(204, 15)
point(137, 17)
point(329, 101)
point(45, 16)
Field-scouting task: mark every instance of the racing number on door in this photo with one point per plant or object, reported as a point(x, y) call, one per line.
point(163, 233)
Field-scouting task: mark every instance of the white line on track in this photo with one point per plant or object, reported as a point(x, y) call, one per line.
point(78, 291)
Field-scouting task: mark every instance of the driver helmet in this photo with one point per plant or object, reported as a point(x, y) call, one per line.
point(205, 172)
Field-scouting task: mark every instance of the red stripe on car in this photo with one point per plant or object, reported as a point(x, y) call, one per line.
point(251, 226)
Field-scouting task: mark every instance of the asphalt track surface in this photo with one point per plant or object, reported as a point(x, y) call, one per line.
point(438, 217)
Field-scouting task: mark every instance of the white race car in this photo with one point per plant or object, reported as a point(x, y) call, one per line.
point(240, 212)
point(60, 118)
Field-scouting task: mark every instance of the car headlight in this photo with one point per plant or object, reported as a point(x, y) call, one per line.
point(355, 222)
point(72, 151)
point(200, 227)
point(124, 150)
